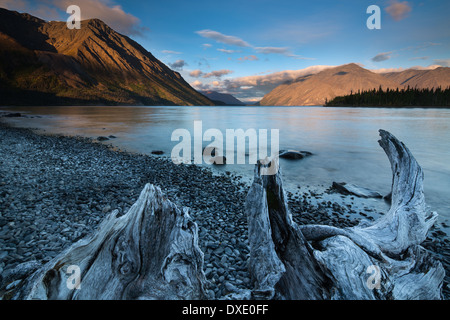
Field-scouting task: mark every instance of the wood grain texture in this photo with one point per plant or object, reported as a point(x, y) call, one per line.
point(149, 253)
point(338, 266)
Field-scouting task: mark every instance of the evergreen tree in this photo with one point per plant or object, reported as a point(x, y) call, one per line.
point(409, 97)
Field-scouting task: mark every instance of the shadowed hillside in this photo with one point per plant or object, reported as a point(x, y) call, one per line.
point(344, 80)
point(44, 63)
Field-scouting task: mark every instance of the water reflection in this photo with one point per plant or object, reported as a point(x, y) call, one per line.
point(343, 140)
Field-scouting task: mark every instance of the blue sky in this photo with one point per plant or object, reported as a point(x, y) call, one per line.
point(247, 47)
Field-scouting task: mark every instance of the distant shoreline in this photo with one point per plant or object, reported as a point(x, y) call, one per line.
point(388, 107)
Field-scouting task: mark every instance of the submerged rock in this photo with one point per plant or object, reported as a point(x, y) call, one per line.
point(294, 154)
point(219, 160)
point(348, 188)
point(13, 115)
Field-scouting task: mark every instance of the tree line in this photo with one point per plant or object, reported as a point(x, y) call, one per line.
point(409, 97)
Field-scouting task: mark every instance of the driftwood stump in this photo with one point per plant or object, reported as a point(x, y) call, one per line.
point(149, 253)
point(382, 260)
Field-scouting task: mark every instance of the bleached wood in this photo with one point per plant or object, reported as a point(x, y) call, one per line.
point(338, 267)
point(149, 253)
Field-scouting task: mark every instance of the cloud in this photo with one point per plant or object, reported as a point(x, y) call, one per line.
point(227, 51)
point(207, 45)
point(222, 38)
point(13, 4)
point(276, 78)
point(382, 56)
point(386, 70)
point(285, 51)
point(235, 41)
point(196, 73)
point(40, 8)
point(421, 47)
point(442, 62)
point(269, 50)
point(253, 88)
point(198, 85)
point(178, 65)
point(418, 58)
point(251, 57)
point(171, 52)
point(217, 74)
point(398, 10)
point(259, 85)
point(106, 10)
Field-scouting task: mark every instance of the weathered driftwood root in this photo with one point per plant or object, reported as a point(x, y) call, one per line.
point(383, 260)
point(149, 253)
point(281, 261)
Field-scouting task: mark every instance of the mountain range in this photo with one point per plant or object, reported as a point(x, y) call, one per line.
point(222, 98)
point(45, 63)
point(316, 89)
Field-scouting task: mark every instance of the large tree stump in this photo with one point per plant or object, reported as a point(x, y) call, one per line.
point(149, 253)
point(382, 260)
point(281, 263)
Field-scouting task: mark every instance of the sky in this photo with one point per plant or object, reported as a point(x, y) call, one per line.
point(248, 47)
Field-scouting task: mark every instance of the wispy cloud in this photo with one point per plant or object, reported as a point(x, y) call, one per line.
point(198, 85)
point(196, 73)
point(217, 74)
point(285, 51)
point(421, 47)
point(236, 41)
point(382, 56)
point(171, 52)
point(418, 58)
point(251, 57)
point(398, 10)
point(178, 65)
point(386, 70)
point(259, 85)
point(269, 50)
point(106, 10)
point(227, 51)
point(222, 38)
point(213, 74)
point(442, 62)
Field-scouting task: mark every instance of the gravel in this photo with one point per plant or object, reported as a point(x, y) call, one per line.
point(54, 190)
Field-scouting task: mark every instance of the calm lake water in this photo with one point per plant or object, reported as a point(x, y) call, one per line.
point(344, 141)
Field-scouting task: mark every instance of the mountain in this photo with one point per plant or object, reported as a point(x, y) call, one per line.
point(46, 63)
point(224, 98)
point(421, 78)
point(315, 89)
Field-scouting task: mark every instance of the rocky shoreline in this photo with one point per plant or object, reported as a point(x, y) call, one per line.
point(54, 190)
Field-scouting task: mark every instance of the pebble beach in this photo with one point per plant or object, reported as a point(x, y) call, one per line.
point(55, 190)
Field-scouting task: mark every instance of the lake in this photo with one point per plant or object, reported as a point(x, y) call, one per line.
point(343, 140)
